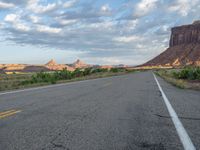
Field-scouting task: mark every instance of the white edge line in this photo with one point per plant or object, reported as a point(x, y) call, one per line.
point(50, 86)
point(182, 133)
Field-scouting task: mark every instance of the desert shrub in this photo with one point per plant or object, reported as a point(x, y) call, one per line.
point(115, 70)
point(42, 77)
point(53, 77)
point(77, 73)
point(99, 70)
point(190, 73)
point(63, 75)
point(87, 71)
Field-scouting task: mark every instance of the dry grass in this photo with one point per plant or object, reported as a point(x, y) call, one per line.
point(184, 84)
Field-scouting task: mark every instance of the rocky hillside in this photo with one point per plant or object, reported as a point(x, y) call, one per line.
point(184, 48)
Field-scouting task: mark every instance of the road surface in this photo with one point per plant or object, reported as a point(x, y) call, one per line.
point(124, 112)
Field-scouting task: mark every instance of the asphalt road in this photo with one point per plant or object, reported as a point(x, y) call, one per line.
point(116, 113)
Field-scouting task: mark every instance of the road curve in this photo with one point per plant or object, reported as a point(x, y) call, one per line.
point(117, 113)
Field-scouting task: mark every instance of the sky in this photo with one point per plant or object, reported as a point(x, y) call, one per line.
point(96, 31)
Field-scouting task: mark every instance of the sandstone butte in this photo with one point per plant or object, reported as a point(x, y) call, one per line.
point(80, 64)
point(52, 65)
point(184, 48)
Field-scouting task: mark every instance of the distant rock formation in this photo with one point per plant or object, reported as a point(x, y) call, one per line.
point(80, 64)
point(11, 67)
point(184, 48)
point(52, 62)
point(106, 67)
point(52, 65)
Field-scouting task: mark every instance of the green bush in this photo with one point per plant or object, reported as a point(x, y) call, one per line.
point(53, 77)
point(115, 70)
point(190, 73)
point(63, 75)
point(87, 71)
point(99, 70)
point(77, 73)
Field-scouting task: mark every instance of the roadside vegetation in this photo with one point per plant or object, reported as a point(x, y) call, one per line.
point(16, 81)
point(187, 77)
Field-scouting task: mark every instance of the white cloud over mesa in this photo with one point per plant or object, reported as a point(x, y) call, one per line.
point(131, 32)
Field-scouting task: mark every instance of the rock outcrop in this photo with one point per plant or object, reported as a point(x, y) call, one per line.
point(186, 34)
point(52, 62)
point(80, 64)
point(52, 65)
point(13, 67)
point(184, 48)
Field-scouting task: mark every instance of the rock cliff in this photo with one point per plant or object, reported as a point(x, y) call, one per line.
point(186, 34)
point(184, 48)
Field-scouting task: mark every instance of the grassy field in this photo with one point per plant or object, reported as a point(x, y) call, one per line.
point(21, 81)
point(188, 77)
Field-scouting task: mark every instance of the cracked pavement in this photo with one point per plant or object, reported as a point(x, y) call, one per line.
point(117, 113)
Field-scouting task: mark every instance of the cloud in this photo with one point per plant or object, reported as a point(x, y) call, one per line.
point(105, 9)
point(14, 20)
point(21, 27)
point(127, 39)
point(4, 5)
point(116, 32)
point(144, 7)
point(69, 3)
point(183, 7)
point(47, 29)
point(35, 19)
point(37, 8)
point(11, 17)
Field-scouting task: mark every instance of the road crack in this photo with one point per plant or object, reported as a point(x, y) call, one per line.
point(186, 118)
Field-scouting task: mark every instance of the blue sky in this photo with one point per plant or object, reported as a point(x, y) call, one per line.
point(96, 31)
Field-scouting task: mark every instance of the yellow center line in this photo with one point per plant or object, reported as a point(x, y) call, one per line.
point(5, 112)
point(8, 113)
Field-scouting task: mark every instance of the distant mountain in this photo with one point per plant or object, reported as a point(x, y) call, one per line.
point(52, 62)
point(52, 65)
point(80, 64)
point(184, 48)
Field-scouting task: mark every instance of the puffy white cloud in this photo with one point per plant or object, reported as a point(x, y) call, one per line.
point(11, 17)
point(35, 19)
point(15, 21)
point(21, 27)
point(105, 8)
point(69, 3)
point(127, 39)
point(37, 8)
point(64, 22)
point(6, 5)
point(47, 29)
point(144, 7)
point(183, 7)
point(101, 25)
